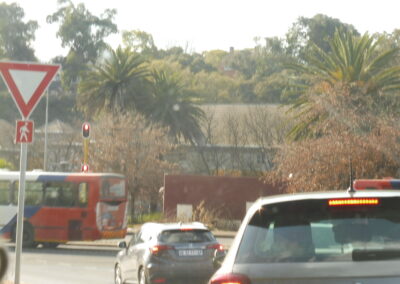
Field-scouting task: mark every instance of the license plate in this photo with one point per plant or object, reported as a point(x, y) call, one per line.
point(190, 252)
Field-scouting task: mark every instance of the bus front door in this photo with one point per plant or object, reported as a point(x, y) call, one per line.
point(74, 230)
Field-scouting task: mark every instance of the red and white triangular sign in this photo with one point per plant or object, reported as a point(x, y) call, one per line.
point(27, 82)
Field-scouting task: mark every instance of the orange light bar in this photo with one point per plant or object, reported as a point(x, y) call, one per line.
point(186, 229)
point(353, 201)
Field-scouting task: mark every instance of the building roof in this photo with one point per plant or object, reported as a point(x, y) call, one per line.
point(56, 127)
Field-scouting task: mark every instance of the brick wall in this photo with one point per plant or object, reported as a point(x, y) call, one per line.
point(228, 194)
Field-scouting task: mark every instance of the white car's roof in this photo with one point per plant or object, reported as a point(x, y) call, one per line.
point(319, 195)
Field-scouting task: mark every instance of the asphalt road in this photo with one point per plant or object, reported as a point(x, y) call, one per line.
point(69, 264)
point(65, 265)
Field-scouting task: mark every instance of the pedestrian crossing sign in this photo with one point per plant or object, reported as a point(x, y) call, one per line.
point(24, 131)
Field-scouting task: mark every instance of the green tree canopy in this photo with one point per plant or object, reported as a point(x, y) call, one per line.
point(318, 30)
point(215, 58)
point(4, 164)
point(140, 42)
point(173, 107)
point(84, 34)
point(15, 34)
point(119, 84)
point(356, 76)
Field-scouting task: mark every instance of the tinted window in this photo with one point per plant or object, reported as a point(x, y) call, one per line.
point(33, 193)
point(83, 194)
point(312, 231)
point(5, 193)
point(192, 236)
point(65, 194)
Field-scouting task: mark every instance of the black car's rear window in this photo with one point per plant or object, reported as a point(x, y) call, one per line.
point(311, 230)
point(186, 236)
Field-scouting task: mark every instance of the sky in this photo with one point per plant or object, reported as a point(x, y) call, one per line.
point(212, 24)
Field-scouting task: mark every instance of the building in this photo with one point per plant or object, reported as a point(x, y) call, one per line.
point(212, 159)
point(228, 197)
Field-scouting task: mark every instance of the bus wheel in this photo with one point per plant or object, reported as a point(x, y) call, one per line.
point(28, 236)
point(50, 244)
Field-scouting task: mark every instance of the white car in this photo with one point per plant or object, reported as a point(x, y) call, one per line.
point(328, 237)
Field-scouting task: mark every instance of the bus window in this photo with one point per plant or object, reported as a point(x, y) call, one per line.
point(60, 194)
point(50, 196)
point(33, 193)
point(5, 193)
point(83, 194)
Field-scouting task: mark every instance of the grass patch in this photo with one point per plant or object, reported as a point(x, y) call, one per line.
point(152, 217)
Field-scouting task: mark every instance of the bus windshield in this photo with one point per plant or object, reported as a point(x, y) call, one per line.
point(112, 188)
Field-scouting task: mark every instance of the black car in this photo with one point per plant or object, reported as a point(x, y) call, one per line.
point(167, 253)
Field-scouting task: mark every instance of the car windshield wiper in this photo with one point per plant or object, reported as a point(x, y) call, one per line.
point(376, 254)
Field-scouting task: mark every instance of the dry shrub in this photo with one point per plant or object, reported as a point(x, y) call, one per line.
point(338, 122)
point(206, 215)
point(323, 164)
point(333, 109)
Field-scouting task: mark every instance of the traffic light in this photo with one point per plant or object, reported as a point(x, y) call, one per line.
point(85, 168)
point(85, 130)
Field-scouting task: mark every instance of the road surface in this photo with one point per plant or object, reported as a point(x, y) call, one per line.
point(69, 264)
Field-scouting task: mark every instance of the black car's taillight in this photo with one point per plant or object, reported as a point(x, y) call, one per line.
point(216, 246)
point(157, 249)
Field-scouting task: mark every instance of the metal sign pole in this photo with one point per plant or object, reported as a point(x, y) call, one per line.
point(20, 214)
point(45, 132)
point(25, 79)
point(85, 150)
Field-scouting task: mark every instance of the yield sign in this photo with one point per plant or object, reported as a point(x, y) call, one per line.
point(27, 82)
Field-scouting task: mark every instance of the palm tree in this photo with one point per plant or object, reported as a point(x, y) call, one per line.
point(117, 85)
point(356, 73)
point(173, 107)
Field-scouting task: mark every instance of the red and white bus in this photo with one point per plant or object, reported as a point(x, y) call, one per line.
point(62, 207)
point(386, 183)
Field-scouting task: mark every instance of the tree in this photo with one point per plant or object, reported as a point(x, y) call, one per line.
point(15, 35)
point(270, 79)
point(140, 42)
point(134, 149)
point(119, 84)
point(317, 30)
point(244, 61)
point(8, 109)
point(356, 76)
point(322, 164)
point(215, 58)
point(271, 89)
point(239, 140)
point(214, 87)
point(173, 107)
point(84, 34)
point(4, 164)
point(271, 57)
